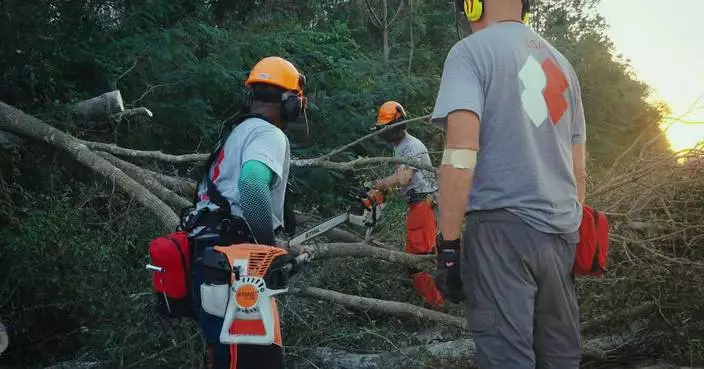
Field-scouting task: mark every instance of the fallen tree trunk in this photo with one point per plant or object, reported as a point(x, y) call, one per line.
point(15, 121)
point(9, 140)
point(382, 306)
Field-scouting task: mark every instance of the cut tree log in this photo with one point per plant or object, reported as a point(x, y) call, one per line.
point(100, 107)
point(16, 121)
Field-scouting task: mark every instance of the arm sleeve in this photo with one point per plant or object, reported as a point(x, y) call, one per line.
point(461, 87)
point(268, 146)
point(255, 200)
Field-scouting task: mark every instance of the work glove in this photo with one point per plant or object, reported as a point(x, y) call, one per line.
point(448, 277)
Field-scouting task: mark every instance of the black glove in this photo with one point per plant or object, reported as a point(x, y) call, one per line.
point(448, 277)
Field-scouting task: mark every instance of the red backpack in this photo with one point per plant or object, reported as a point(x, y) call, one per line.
point(171, 268)
point(593, 247)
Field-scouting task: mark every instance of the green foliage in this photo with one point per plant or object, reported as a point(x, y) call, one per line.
point(73, 252)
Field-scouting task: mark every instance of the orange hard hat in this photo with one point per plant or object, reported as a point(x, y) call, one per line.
point(279, 72)
point(390, 112)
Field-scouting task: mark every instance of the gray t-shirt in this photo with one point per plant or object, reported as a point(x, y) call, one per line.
point(422, 181)
point(252, 139)
point(527, 97)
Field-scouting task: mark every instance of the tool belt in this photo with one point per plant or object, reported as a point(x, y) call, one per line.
point(413, 197)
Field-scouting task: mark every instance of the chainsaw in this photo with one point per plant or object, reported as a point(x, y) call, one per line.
point(364, 211)
point(239, 285)
point(240, 281)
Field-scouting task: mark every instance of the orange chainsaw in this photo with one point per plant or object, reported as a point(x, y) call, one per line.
point(239, 285)
point(364, 211)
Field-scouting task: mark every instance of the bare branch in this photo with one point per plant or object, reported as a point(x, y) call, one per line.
point(374, 18)
point(129, 113)
point(361, 249)
point(147, 178)
point(400, 6)
point(382, 306)
point(134, 65)
point(151, 88)
point(355, 142)
point(360, 162)
point(316, 162)
point(156, 155)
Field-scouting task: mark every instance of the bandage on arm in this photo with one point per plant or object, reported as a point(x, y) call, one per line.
point(255, 200)
point(457, 170)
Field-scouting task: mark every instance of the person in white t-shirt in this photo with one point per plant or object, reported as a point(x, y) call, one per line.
point(241, 197)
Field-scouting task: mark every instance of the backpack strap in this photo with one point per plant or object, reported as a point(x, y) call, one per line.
point(213, 193)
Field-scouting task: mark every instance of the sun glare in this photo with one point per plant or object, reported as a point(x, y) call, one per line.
point(667, 55)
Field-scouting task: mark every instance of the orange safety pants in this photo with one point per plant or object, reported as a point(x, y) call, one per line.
point(421, 226)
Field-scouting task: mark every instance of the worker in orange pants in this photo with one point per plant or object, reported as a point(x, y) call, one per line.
point(419, 188)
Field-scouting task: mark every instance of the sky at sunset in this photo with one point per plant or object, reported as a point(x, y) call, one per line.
point(666, 53)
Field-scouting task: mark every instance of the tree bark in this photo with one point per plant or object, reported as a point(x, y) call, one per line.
point(15, 121)
point(337, 250)
point(149, 180)
point(383, 306)
point(385, 31)
point(100, 107)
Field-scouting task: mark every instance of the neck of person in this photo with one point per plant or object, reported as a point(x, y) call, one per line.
point(498, 16)
point(401, 137)
point(267, 112)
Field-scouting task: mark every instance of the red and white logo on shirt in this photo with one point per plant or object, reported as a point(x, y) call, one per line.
point(544, 86)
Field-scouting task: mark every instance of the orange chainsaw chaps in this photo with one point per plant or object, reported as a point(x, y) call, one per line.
point(424, 284)
point(420, 228)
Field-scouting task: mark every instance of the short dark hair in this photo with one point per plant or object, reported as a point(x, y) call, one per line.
point(267, 93)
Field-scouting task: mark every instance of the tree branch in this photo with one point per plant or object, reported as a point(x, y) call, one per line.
point(15, 121)
point(147, 178)
point(156, 155)
point(374, 18)
point(382, 306)
point(400, 6)
point(360, 162)
point(360, 249)
point(129, 113)
point(315, 162)
point(345, 147)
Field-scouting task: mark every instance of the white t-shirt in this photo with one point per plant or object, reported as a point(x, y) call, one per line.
point(253, 139)
point(422, 181)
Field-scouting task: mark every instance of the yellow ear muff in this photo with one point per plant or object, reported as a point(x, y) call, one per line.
point(473, 9)
point(526, 18)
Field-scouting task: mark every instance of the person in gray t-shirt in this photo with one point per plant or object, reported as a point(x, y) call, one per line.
point(513, 100)
point(419, 189)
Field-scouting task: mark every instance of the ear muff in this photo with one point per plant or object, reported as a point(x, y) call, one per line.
point(291, 108)
point(474, 9)
point(525, 12)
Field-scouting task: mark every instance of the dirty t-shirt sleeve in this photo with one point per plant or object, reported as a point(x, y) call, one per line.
point(409, 149)
point(461, 86)
point(268, 146)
